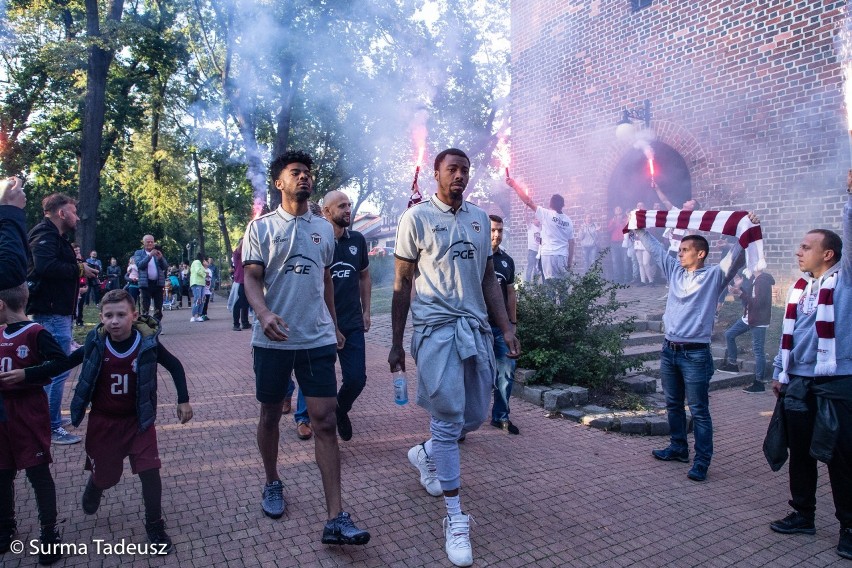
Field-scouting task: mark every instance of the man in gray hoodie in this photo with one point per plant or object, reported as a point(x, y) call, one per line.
point(686, 363)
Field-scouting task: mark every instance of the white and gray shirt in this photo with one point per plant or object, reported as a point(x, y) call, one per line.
point(451, 250)
point(294, 251)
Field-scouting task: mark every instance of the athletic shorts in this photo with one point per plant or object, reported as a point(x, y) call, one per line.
point(25, 435)
point(314, 370)
point(110, 439)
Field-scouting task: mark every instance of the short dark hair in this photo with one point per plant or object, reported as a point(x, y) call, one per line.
point(496, 218)
point(449, 152)
point(700, 243)
point(557, 200)
point(16, 297)
point(55, 201)
point(830, 241)
point(116, 297)
point(287, 158)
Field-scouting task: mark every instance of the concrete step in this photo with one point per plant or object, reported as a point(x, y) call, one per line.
point(640, 384)
point(643, 350)
point(644, 338)
point(724, 380)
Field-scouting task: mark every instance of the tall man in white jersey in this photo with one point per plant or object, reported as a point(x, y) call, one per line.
point(287, 255)
point(557, 233)
point(443, 248)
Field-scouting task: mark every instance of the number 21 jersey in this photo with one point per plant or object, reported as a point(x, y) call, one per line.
point(115, 391)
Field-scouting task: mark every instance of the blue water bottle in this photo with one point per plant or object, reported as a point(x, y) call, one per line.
point(400, 388)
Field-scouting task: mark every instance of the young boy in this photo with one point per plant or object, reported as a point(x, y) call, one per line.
point(29, 356)
point(119, 379)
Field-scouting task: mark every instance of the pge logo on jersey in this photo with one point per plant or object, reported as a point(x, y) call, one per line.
point(462, 250)
point(300, 264)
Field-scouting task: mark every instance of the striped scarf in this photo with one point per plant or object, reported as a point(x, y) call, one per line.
point(826, 363)
point(732, 223)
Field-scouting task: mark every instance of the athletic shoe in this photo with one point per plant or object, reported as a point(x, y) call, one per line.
point(50, 541)
point(728, 367)
point(237, 328)
point(341, 530)
point(506, 425)
point(426, 466)
point(8, 529)
point(671, 454)
point(303, 431)
point(194, 319)
point(65, 422)
point(91, 498)
point(157, 536)
point(794, 523)
point(246, 326)
point(273, 500)
point(62, 437)
point(698, 472)
point(204, 318)
point(457, 532)
point(844, 546)
point(344, 425)
point(756, 386)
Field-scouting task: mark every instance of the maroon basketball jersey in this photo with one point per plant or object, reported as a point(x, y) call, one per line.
point(115, 390)
point(19, 349)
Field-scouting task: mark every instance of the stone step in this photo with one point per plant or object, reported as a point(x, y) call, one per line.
point(724, 380)
point(644, 351)
point(644, 338)
point(640, 384)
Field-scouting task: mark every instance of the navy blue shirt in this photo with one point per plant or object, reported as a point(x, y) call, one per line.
point(350, 258)
point(504, 268)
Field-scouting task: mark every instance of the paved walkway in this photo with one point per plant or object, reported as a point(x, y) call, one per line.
point(560, 494)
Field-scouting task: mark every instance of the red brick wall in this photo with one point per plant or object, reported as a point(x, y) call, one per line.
point(749, 93)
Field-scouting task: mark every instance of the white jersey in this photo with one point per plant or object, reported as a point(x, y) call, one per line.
point(533, 238)
point(557, 231)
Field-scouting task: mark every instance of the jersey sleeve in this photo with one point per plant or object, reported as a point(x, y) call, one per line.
point(406, 237)
point(364, 258)
point(53, 359)
point(173, 365)
point(252, 253)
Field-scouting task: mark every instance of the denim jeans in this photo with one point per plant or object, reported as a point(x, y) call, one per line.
point(301, 414)
point(60, 328)
point(589, 255)
point(758, 341)
point(505, 377)
point(618, 263)
point(533, 267)
point(687, 374)
point(197, 299)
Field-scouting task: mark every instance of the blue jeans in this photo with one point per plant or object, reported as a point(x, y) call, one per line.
point(197, 299)
point(758, 341)
point(505, 377)
point(60, 328)
point(589, 255)
point(687, 374)
point(301, 414)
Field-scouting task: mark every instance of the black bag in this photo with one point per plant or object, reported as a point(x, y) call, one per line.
point(775, 443)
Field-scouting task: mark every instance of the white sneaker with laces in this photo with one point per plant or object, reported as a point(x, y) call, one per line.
point(63, 437)
point(428, 474)
point(457, 532)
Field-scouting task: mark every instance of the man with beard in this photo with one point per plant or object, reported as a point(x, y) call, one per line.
point(287, 255)
point(443, 249)
point(352, 286)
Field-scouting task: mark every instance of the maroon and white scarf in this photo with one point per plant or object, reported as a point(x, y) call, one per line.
point(826, 363)
point(732, 223)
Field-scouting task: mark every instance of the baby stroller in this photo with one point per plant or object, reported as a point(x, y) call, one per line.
point(171, 293)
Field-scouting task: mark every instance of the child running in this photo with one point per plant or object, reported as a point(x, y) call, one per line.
point(29, 357)
point(119, 379)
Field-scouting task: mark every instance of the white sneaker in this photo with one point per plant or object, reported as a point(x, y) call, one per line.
point(428, 474)
point(194, 319)
point(457, 531)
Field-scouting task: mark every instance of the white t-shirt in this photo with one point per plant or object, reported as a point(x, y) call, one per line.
point(557, 231)
point(533, 238)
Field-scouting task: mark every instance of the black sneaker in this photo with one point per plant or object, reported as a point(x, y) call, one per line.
point(8, 529)
point(756, 386)
point(671, 454)
point(341, 530)
point(91, 498)
point(844, 546)
point(157, 536)
point(236, 328)
point(273, 500)
point(698, 472)
point(728, 367)
point(344, 425)
point(506, 425)
point(49, 550)
point(793, 523)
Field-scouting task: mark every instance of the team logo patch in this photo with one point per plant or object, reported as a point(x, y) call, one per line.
point(22, 351)
point(476, 226)
point(134, 366)
point(505, 264)
point(316, 238)
point(353, 250)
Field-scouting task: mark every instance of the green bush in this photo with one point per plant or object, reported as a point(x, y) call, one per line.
point(569, 332)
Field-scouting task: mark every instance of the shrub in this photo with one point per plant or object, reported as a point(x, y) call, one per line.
point(569, 332)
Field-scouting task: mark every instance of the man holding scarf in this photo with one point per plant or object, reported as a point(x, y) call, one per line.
point(813, 372)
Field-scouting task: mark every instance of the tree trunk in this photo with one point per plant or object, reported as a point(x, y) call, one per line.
point(290, 77)
point(93, 122)
point(220, 205)
point(198, 205)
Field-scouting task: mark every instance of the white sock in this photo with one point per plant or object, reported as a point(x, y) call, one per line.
point(453, 505)
point(428, 446)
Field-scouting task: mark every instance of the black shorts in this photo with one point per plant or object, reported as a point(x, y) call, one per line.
point(314, 370)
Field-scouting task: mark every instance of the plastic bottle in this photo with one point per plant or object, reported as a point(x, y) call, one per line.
point(400, 388)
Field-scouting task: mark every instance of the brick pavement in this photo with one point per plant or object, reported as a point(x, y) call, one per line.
point(560, 494)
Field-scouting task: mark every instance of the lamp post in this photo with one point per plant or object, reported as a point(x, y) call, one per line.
point(624, 129)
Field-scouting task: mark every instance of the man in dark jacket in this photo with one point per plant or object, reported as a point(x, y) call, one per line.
point(755, 292)
point(153, 267)
point(53, 275)
point(13, 233)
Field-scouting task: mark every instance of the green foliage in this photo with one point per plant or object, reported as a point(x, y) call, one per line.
point(570, 333)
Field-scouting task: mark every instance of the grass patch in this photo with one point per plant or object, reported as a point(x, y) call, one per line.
point(380, 300)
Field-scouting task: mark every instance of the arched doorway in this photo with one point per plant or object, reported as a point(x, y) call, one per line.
point(630, 181)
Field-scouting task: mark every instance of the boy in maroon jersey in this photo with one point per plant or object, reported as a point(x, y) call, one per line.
point(29, 356)
point(119, 379)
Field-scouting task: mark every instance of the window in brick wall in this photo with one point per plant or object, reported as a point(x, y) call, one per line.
point(639, 4)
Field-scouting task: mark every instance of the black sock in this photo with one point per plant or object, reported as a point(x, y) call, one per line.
point(152, 494)
point(45, 493)
point(7, 496)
